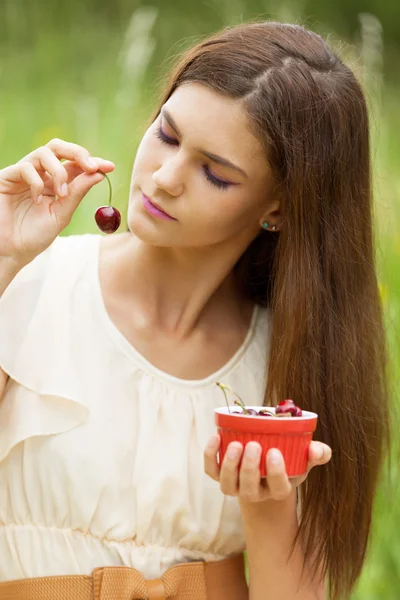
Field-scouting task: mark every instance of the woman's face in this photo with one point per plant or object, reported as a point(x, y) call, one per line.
point(180, 167)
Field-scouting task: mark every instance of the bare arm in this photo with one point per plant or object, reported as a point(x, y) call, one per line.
point(270, 527)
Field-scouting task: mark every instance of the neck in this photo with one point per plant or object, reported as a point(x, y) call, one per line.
point(178, 288)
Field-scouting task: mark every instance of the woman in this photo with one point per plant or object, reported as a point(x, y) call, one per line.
point(257, 269)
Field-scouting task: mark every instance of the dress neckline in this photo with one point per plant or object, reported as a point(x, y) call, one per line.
point(137, 358)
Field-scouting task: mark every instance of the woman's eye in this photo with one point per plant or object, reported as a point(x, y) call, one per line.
point(222, 185)
point(165, 139)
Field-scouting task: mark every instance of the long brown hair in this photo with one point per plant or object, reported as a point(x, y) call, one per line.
point(318, 274)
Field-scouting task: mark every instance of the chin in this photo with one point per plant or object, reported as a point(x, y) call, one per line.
point(145, 229)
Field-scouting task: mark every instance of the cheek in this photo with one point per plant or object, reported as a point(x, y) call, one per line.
point(146, 155)
point(224, 213)
point(234, 208)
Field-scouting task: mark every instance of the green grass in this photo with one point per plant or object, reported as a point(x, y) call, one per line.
point(87, 77)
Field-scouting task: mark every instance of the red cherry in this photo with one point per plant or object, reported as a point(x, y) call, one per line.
point(284, 402)
point(286, 409)
point(288, 406)
point(251, 411)
point(264, 413)
point(108, 219)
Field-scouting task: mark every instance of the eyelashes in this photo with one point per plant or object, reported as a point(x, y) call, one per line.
point(222, 185)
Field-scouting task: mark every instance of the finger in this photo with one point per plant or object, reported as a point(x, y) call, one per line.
point(107, 166)
point(68, 151)
point(65, 207)
point(318, 454)
point(73, 169)
point(44, 159)
point(229, 473)
point(80, 186)
point(278, 482)
point(79, 154)
point(25, 172)
point(211, 466)
point(249, 475)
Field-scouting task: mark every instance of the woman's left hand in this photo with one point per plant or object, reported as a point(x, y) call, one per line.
point(247, 483)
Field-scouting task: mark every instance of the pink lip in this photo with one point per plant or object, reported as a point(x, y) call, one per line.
point(155, 210)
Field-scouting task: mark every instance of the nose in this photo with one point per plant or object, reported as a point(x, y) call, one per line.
point(169, 177)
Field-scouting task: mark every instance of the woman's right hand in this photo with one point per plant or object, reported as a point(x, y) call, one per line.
point(39, 195)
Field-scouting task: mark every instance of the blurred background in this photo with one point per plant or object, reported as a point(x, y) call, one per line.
point(89, 71)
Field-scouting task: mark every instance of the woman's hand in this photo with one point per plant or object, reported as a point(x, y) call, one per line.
point(247, 483)
point(39, 194)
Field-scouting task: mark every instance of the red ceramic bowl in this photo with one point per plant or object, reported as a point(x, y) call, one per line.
point(291, 435)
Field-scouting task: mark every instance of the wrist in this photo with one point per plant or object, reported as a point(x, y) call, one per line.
point(10, 263)
point(269, 508)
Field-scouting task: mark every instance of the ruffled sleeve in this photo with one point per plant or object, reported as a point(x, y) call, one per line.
point(43, 395)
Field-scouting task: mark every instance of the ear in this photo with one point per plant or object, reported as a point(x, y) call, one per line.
point(273, 215)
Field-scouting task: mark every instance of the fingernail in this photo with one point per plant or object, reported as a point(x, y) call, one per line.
point(252, 450)
point(213, 443)
point(318, 452)
point(275, 457)
point(233, 452)
point(91, 163)
point(64, 189)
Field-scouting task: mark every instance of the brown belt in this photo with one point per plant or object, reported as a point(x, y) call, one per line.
point(217, 580)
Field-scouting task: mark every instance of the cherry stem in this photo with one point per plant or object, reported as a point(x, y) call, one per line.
point(109, 185)
point(223, 387)
point(242, 406)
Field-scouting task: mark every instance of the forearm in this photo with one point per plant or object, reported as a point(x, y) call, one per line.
point(8, 270)
point(270, 528)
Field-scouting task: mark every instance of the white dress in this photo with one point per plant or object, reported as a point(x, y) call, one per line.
point(101, 453)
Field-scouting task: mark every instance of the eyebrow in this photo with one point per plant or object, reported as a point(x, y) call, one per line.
point(214, 157)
